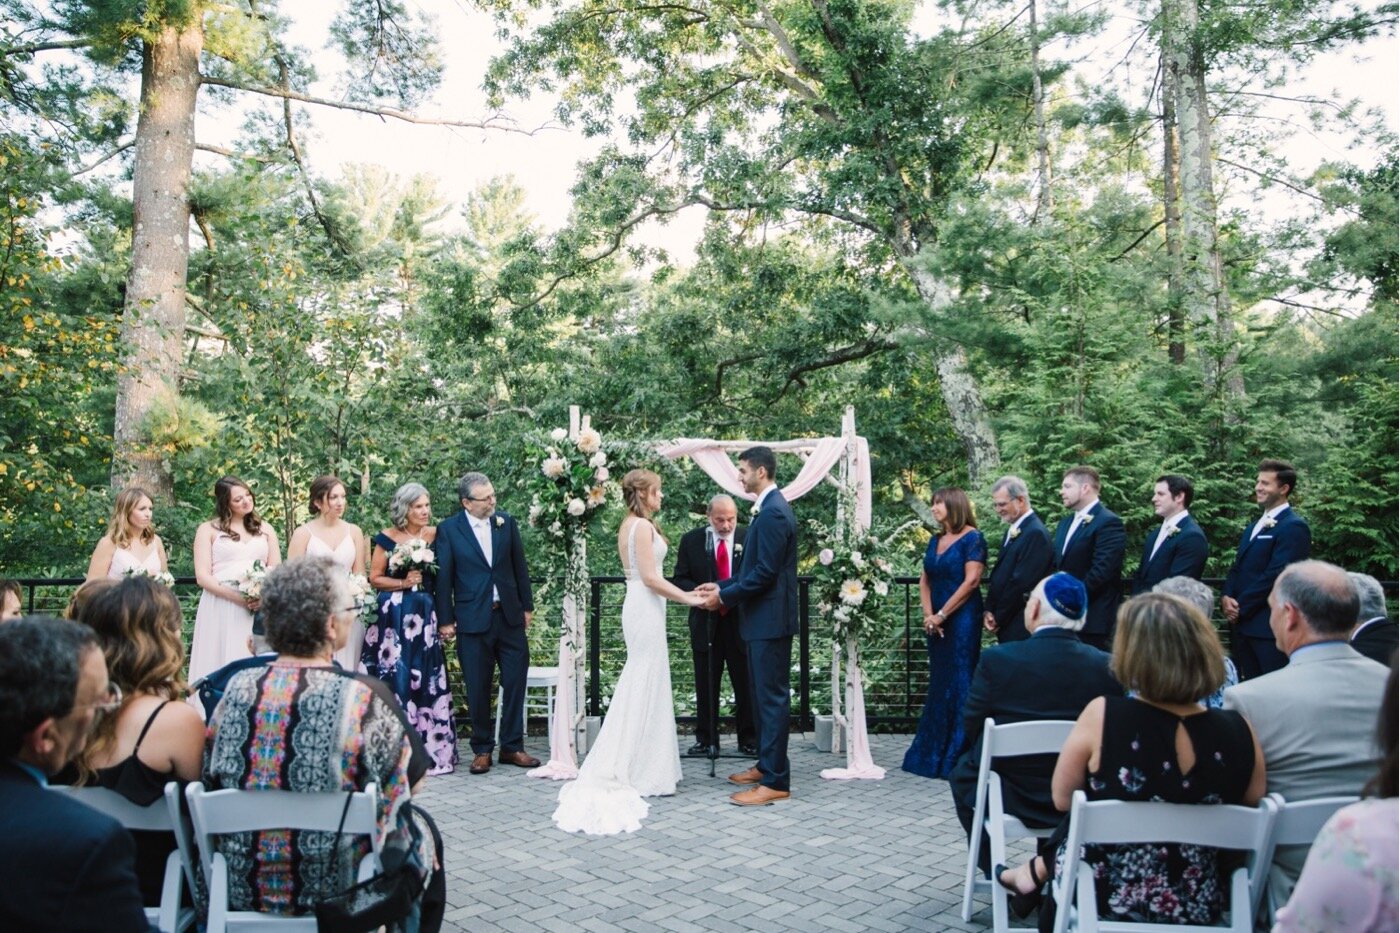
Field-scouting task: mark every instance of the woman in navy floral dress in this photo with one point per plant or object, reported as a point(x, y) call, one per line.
point(950, 590)
point(401, 645)
point(1160, 744)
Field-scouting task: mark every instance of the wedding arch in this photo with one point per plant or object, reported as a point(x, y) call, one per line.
point(849, 456)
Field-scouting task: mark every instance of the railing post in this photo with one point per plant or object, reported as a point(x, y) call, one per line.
point(595, 651)
point(804, 659)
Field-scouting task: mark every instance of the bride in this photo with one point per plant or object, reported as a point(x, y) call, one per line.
point(636, 754)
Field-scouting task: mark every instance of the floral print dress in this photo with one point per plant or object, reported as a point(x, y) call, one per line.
point(403, 650)
point(1164, 882)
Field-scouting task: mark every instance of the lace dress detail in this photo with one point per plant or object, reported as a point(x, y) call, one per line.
point(636, 754)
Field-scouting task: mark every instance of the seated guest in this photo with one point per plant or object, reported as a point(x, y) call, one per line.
point(10, 600)
point(66, 866)
point(1313, 717)
point(1161, 744)
point(1049, 675)
point(1199, 595)
point(153, 738)
point(302, 724)
point(1349, 881)
point(85, 592)
point(1375, 636)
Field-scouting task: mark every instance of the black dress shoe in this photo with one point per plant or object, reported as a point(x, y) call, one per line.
point(698, 750)
point(748, 748)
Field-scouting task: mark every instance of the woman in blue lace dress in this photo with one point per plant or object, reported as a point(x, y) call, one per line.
point(401, 645)
point(951, 594)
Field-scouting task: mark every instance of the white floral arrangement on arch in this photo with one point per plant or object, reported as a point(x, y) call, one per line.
point(853, 576)
point(570, 484)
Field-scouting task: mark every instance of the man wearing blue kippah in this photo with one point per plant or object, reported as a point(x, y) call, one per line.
point(1050, 675)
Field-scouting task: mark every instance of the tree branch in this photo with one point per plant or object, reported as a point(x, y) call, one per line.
point(1134, 245)
point(52, 45)
point(725, 364)
point(849, 354)
point(1271, 178)
point(233, 154)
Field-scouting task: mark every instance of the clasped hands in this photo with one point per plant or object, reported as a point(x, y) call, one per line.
point(708, 597)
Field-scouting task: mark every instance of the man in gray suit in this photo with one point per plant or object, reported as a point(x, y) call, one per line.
point(1315, 718)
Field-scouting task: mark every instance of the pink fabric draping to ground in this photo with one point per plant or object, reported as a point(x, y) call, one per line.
point(562, 766)
point(860, 765)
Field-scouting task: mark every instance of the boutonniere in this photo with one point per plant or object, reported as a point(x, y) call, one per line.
point(1014, 533)
point(1086, 519)
point(1173, 530)
point(754, 509)
point(738, 549)
point(500, 522)
point(1268, 523)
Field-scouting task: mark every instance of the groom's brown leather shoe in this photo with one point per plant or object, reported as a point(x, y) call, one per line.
point(481, 764)
point(520, 759)
point(759, 796)
point(745, 778)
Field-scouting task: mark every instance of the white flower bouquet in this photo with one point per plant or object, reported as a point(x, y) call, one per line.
point(250, 584)
point(163, 577)
point(413, 554)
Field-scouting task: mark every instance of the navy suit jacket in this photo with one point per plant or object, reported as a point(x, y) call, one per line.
point(1050, 675)
point(1258, 564)
point(1095, 556)
point(65, 866)
point(1023, 562)
point(765, 588)
point(1377, 641)
point(465, 580)
point(1181, 555)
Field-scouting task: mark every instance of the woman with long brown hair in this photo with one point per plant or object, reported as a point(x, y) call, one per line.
point(636, 754)
point(226, 548)
point(150, 740)
point(131, 542)
point(327, 534)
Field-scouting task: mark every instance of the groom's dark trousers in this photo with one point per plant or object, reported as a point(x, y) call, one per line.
point(765, 592)
point(487, 602)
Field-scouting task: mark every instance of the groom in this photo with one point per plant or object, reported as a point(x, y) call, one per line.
point(483, 587)
point(765, 593)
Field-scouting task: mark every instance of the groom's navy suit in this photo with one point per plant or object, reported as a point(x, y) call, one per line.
point(1258, 562)
point(1095, 557)
point(1183, 554)
point(1022, 562)
point(487, 602)
point(765, 592)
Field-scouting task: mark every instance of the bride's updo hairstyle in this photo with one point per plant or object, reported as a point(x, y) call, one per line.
point(636, 485)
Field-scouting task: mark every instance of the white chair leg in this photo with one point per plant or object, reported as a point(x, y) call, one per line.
point(500, 699)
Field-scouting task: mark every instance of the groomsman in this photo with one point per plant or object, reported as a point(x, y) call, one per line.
point(1026, 557)
point(711, 555)
point(1178, 548)
point(1089, 544)
point(1277, 539)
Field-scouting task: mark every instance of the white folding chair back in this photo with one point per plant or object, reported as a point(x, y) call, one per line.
point(220, 812)
point(546, 678)
point(1298, 824)
point(1119, 822)
point(168, 917)
point(1044, 737)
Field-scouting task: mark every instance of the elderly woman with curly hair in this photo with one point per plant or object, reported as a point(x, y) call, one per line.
point(303, 724)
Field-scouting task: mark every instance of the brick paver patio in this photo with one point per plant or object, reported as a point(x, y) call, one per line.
point(860, 855)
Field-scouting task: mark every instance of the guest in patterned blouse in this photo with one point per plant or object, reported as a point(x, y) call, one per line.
point(301, 724)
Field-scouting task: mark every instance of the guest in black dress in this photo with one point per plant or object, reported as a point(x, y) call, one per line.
point(150, 740)
point(1161, 744)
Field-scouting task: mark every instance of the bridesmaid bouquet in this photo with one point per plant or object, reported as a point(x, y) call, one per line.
point(413, 554)
point(163, 577)
point(251, 583)
point(363, 596)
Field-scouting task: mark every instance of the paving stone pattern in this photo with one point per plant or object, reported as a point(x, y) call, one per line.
point(840, 855)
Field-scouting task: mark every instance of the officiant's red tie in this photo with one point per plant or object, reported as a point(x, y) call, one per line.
point(722, 568)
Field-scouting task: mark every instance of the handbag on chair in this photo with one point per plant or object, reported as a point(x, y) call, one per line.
point(389, 898)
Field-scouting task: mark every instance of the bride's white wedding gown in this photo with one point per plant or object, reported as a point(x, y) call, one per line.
point(636, 754)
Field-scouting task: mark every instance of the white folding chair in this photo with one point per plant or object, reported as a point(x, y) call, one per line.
point(535, 678)
point(1117, 822)
point(1045, 737)
point(220, 812)
point(1298, 824)
point(158, 817)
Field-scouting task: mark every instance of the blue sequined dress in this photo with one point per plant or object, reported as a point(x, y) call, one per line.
point(951, 658)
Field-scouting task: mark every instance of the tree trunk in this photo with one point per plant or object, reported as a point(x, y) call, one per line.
point(1206, 302)
point(1044, 198)
point(153, 320)
point(1171, 215)
point(961, 395)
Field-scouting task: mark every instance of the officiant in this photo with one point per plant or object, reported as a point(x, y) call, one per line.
point(711, 554)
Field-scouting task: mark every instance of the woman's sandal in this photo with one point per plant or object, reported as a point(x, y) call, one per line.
point(1021, 904)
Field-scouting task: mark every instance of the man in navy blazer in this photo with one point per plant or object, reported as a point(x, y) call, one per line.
point(1375, 636)
point(483, 593)
point(1024, 559)
point(765, 592)
point(1267, 546)
point(1178, 547)
point(1049, 675)
point(65, 866)
point(1089, 544)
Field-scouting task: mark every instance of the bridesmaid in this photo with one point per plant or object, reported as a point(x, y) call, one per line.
point(328, 535)
point(402, 647)
point(131, 541)
point(225, 548)
point(951, 594)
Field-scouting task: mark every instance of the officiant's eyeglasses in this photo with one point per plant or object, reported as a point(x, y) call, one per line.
point(490, 498)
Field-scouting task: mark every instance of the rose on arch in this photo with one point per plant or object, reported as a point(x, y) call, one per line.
point(600, 459)
point(558, 434)
point(589, 440)
point(857, 559)
point(826, 556)
point(601, 474)
point(577, 507)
